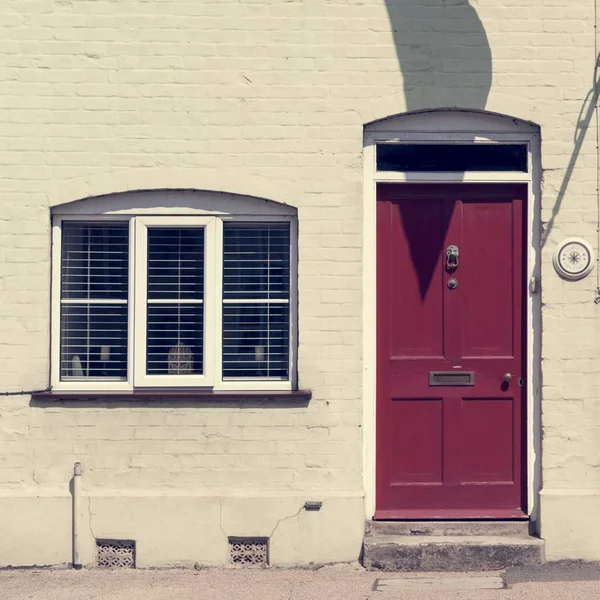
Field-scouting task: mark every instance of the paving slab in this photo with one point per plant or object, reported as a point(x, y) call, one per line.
point(458, 582)
point(567, 570)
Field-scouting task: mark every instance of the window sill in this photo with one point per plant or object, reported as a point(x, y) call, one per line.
point(58, 396)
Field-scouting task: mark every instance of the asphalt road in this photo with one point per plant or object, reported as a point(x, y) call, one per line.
point(343, 582)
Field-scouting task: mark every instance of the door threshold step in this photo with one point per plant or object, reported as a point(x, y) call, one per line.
point(422, 528)
point(450, 552)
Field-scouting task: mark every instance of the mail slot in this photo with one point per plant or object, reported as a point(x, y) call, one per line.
point(451, 378)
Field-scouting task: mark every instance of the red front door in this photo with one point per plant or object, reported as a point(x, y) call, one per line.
point(450, 371)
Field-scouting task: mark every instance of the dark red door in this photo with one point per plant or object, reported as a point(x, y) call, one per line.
point(450, 395)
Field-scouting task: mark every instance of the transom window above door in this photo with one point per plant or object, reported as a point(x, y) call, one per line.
point(177, 301)
point(450, 157)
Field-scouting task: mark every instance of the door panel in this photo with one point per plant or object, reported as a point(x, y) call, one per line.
point(418, 438)
point(415, 278)
point(487, 248)
point(445, 451)
point(487, 440)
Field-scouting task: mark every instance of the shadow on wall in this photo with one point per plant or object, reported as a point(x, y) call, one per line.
point(446, 62)
point(445, 59)
point(443, 51)
point(581, 129)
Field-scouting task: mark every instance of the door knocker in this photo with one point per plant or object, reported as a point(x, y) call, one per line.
point(452, 258)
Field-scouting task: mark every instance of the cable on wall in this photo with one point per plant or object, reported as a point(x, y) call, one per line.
point(596, 83)
point(26, 392)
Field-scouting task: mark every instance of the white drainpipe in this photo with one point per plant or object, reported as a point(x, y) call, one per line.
point(77, 471)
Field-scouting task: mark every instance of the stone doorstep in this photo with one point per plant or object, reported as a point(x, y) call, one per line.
point(450, 552)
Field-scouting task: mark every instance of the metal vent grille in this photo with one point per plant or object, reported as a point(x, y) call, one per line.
point(249, 551)
point(115, 554)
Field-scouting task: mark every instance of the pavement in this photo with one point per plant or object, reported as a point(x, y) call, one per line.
point(569, 581)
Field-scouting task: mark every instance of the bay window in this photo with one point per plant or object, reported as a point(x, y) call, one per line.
point(162, 302)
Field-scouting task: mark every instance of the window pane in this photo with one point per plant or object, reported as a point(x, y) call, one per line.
point(175, 263)
point(94, 294)
point(452, 157)
point(256, 341)
point(175, 339)
point(175, 323)
point(93, 341)
point(95, 260)
point(256, 296)
point(256, 261)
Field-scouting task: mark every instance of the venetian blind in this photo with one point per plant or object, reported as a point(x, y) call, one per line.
point(256, 300)
point(94, 295)
point(175, 302)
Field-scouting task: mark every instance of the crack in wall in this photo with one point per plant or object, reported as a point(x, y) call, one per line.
point(90, 514)
point(283, 519)
point(279, 521)
point(221, 518)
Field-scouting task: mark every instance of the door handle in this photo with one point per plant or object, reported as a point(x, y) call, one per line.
point(507, 377)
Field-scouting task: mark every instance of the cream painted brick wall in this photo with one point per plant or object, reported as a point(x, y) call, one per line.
point(277, 93)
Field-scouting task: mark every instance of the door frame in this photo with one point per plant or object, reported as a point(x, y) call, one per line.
point(453, 126)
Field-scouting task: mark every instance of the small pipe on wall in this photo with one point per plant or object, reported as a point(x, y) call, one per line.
point(77, 472)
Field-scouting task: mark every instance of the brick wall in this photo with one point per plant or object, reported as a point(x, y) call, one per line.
point(235, 95)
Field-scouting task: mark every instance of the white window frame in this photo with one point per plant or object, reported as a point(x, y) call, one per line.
point(55, 326)
point(140, 376)
point(213, 302)
point(256, 384)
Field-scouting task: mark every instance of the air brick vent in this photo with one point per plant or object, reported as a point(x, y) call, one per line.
point(115, 554)
point(249, 551)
